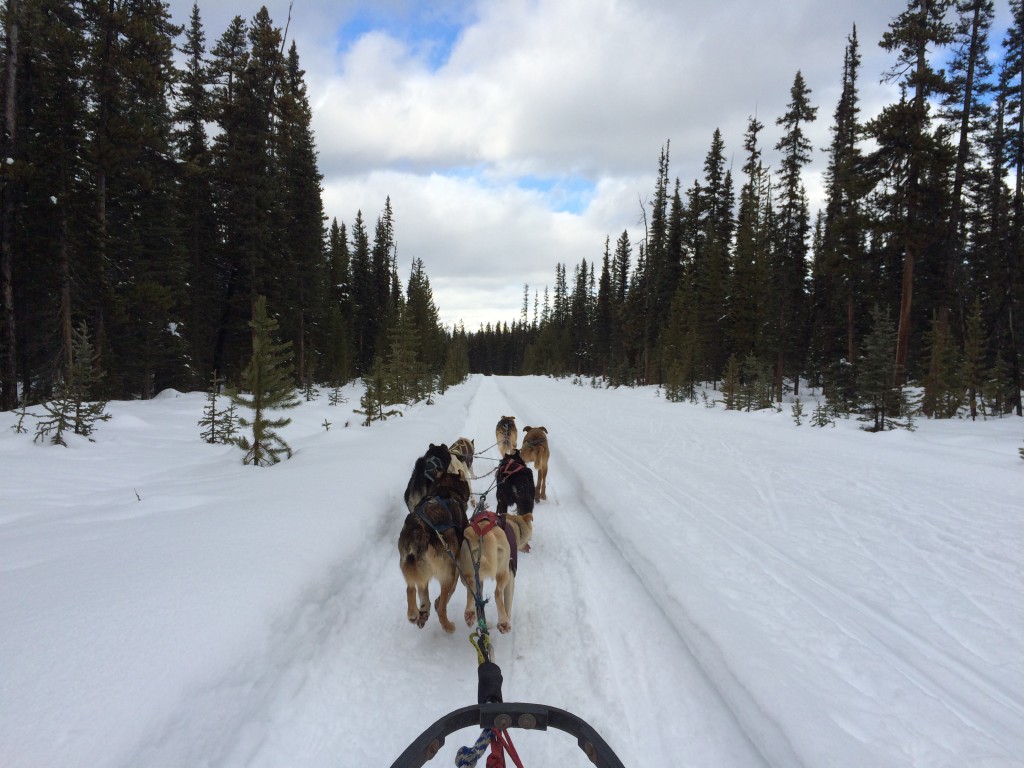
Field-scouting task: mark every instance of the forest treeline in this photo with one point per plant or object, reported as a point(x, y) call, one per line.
point(150, 203)
point(921, 232)
point(150, 199)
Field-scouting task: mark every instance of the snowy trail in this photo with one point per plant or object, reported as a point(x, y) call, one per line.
point(846, 625)
point(705, 588)
point(579, 605)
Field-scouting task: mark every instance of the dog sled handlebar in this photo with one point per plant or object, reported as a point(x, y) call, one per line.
point(492, 713)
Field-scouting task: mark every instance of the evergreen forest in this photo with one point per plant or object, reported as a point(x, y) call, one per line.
point(160, 186)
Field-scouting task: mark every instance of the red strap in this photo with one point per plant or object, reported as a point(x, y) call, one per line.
point(500, 742)
point(484, 522)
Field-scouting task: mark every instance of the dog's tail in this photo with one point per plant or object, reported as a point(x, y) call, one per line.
point(413, 543)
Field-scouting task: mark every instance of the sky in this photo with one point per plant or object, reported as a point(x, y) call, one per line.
point(703, 587)
point(513, 135)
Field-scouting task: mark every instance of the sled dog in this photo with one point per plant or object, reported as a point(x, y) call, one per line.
point(506, 434)
point(425, 473)
point(464, 448)
point(486, 551)
point(428, 546)
point(536, 451)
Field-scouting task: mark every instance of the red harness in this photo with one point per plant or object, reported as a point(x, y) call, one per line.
point(484, 522)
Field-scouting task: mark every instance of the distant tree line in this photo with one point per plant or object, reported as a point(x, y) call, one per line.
point(151, 203)
point(921, 227)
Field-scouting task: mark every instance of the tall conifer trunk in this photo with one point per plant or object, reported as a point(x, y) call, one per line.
point(9, 394)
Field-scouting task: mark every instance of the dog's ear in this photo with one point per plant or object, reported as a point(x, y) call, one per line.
point(544, 428)
point(527, 429)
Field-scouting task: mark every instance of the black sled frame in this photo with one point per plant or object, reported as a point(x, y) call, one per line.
point(494, 714)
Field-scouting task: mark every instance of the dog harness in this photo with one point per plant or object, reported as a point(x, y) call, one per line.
point(486, 521)
point(510, 468)
point(432, 468)
point(441, 527)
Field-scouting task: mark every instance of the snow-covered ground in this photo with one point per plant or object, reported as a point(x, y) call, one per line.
point(706, 588)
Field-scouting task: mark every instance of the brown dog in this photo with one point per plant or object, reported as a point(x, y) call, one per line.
point(506, 435)
point(430, 540)
point(486, 546)
point(536, 451)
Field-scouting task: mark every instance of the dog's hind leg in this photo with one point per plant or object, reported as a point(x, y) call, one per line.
point(503, 589)
point(441, 604)
point(417, 613)
point(542, 483)
point(423, 593)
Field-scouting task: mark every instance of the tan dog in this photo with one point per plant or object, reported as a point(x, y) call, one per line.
point(536, 451)
point(522, 527)
point(486, 545)
point(464, 448)
point(428, 545)
point(506, 435)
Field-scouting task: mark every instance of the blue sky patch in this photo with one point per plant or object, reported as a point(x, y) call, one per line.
point(429, 30)
point(567, 194)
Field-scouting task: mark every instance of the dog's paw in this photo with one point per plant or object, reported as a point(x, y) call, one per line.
point(470, 617)
point(504, 627)
point(421, 621)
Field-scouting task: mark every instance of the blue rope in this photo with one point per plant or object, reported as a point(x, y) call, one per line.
point(467, 757)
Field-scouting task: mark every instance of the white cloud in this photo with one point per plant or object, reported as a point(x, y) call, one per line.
point(562, 89)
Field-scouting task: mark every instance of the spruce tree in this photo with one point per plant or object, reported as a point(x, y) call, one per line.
point(882, 400)
point(943, 389)
point(219, 425)
point(731, 384)
point(374, 399)
point(912, 146)
point(972, 364)
point(789, 270)
point(71, 408)
point(268, 385)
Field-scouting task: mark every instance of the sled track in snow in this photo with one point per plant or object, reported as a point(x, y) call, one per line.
point(902, 646)
point(755, 726)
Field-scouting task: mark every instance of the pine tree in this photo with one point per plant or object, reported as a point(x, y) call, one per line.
point(821, 416)
point(943, 390)
point(883, 401)
point(838, 274)
point(972, 365)
point(71, 408)
point(731, 384)
point(268, 384)
point(913, 34)
point(789, 270)
point(374, 398)
point(196, 199)
point(302, 231)
point(46, 195)
point(751, 250)
point(456, 364)
point(220, 425)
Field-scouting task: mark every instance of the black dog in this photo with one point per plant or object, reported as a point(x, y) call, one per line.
point(515, 485)
point(428, 470)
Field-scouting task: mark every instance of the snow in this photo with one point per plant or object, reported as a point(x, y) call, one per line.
point(705, 588)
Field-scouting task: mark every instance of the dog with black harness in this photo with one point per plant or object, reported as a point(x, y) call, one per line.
point(429, 544)
point(514, 488)
point(425, 473)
